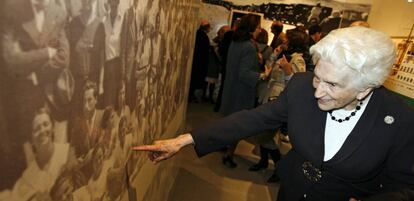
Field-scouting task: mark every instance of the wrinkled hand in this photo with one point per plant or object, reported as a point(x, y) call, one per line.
point(164, 149)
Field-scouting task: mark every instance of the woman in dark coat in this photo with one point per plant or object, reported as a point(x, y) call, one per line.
point(243, 73)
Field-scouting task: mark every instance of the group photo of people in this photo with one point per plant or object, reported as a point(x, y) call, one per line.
point(94, 95)
point(81, 82)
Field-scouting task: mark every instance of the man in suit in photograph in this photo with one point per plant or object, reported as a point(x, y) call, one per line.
point(86, 131)
point(351, 138)
point(34, 52)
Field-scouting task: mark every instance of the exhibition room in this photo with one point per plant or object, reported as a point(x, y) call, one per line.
point(198, 100)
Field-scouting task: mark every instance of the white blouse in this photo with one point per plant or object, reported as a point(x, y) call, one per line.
point(336, 133)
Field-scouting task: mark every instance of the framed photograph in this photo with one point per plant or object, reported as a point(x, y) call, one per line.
point(238, 14)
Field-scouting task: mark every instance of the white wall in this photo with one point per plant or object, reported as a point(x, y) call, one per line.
point(394, 17)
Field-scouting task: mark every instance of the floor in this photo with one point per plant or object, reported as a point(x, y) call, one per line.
point(206, 179)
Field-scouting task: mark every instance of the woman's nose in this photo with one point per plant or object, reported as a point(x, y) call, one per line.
point(319, 90)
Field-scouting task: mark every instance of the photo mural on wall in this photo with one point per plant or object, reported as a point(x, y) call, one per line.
point(81, 81)
point(328, 14)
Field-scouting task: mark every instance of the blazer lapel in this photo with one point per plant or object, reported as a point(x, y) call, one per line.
point(308, 138)
point(49, 24)
point(318, 122)
point(361, 130)
point(31, 30)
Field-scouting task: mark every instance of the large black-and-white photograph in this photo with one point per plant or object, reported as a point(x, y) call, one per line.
point(82, 81)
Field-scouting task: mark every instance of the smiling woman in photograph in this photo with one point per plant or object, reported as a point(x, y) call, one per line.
point(48, 161)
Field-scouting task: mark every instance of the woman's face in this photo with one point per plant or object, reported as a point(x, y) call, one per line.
point(334, 88)
point(42, 130)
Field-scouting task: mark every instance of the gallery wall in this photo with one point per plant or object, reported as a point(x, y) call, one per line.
point(329, 14)
point(396, 18)
point(393, 17)
point(81, 82)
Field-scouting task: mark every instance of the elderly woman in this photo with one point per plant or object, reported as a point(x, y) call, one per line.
point(351, 138)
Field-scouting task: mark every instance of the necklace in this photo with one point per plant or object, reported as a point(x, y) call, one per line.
point(358, 107)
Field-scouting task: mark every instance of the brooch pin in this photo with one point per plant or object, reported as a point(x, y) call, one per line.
point(389, 119)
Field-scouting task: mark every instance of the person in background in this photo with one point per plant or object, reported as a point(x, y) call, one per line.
point(264, 55)
point(86, 34)
point(214, 64)
point(293, 56)
point(314, 14)
point(265, 141)
point(223, 48)
point(279, 77)
point(86, 127)
point(351, 138)
point(315, 33)
point(243, 74)
point(200, 60)
point(112, 73)
point(264, 50)
point(128, 49)
point(330, 23)
point(279, 37)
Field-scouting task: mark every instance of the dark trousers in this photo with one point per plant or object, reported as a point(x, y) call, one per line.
point(264, 155)
point(220, 93)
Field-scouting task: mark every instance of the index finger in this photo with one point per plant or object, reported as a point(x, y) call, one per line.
point(146, 148)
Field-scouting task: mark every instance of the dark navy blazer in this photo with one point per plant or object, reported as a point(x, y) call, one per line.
point(375, 158)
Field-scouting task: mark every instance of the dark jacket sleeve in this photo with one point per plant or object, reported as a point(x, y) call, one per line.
point(246, 123)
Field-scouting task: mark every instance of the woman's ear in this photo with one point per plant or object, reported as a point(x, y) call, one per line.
point(363, 94)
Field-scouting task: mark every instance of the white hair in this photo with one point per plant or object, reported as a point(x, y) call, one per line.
point(368, 53)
